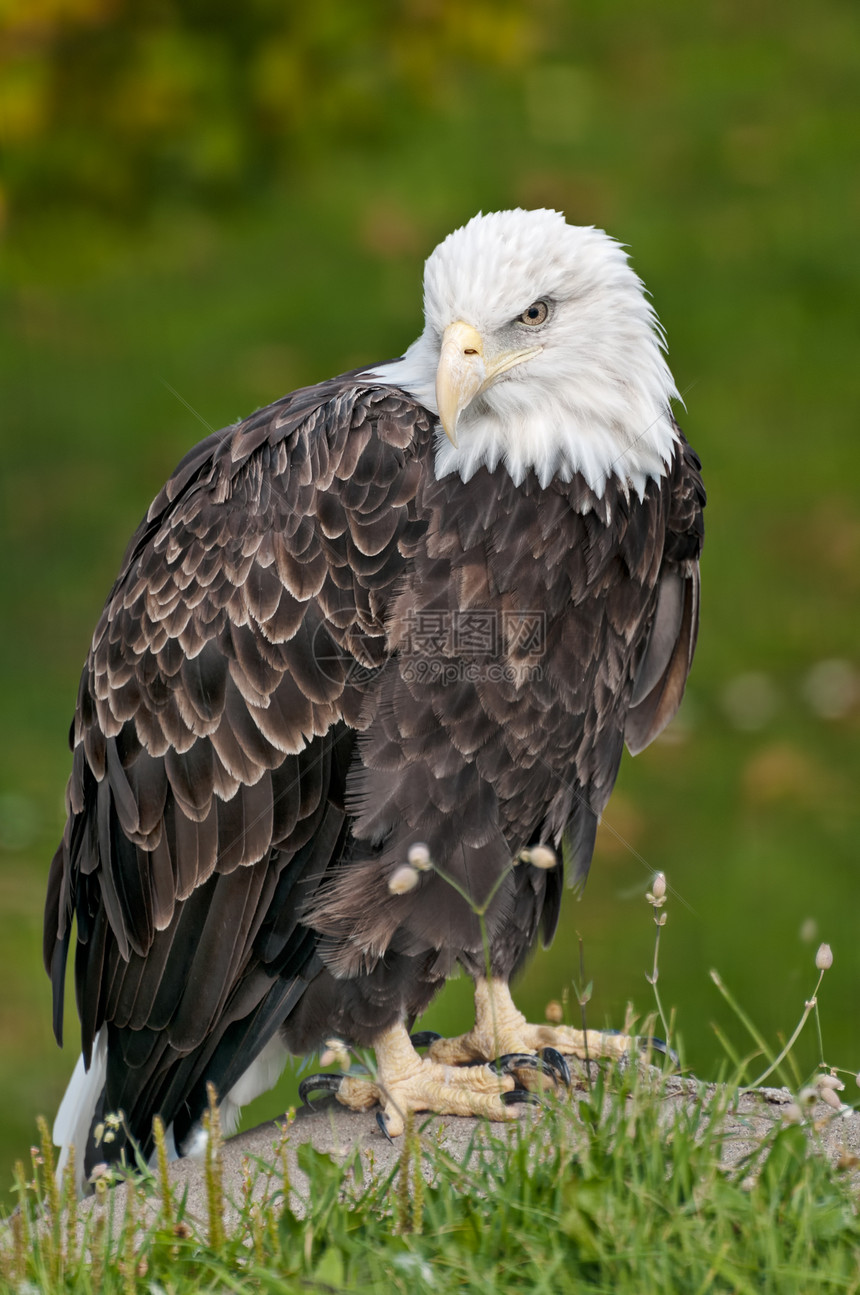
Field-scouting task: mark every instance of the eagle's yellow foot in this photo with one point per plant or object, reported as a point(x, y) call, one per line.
point(500, 1028)
point(406, 1082)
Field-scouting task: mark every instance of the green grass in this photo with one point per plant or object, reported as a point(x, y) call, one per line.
point(605, 1194)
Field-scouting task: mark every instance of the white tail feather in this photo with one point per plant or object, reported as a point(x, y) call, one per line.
point(75, 1116)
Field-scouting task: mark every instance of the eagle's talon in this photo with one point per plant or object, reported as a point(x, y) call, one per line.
point(382, 1121)
point(424, 1038)
point(511, 1062)
point(318, 1083)
point(658, 1045)
point(548, 1061)
point(519, 1096)
point(557, 1065)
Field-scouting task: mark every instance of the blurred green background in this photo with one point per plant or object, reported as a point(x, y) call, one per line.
point(205, 205)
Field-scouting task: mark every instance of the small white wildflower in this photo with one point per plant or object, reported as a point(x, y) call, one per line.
point(403, 879)
point(100, 1178)
point(419, 857)
point(824, 957)
point(830, 1081)
point(656, 896)
point(792, 1114)
point(831, 1098)
point(335, 1051)
point(807, 1096)
point(539, 856)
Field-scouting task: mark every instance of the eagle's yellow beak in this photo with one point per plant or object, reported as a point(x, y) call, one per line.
point(464, 371)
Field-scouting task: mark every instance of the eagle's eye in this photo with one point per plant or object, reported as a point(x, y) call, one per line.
point(536, 314)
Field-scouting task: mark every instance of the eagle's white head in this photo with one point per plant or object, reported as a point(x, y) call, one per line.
point(540, 350)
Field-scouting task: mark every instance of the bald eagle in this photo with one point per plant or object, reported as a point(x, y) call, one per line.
point(368, 667)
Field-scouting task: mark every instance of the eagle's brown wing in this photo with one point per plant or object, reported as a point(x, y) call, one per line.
point(233, 663)
point(667, 651)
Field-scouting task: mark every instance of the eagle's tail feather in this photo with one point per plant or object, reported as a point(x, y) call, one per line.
point(78, 1107)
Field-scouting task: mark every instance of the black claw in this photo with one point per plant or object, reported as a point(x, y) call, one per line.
point(513, 1061)
point(557, 1064)
point(657, 1045)
point(520, 1095)
point(383, 1124)
point(424, 1038)
point(318, 1083)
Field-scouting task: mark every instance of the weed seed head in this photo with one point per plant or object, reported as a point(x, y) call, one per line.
point(419, 857)
point(403, 879)
point(335, 1051)
point(830, 1098)
point(824, 957)
point(101, 1179)
point(656, 896)
point(539, 856)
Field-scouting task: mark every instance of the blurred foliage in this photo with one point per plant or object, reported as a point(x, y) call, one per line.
point(208, 206)
point(120, 103)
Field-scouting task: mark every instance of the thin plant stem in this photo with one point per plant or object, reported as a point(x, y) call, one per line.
point(725, 1044)
point(818, 1028)
point(480, 911)
point(742, 1016)
point(662, 1014)
point(582, 997)
point(654, 978)
point(811, 1005)
point(488, 970)
point(657, 898)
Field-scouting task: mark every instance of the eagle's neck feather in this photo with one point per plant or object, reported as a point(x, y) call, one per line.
point(613, 429)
